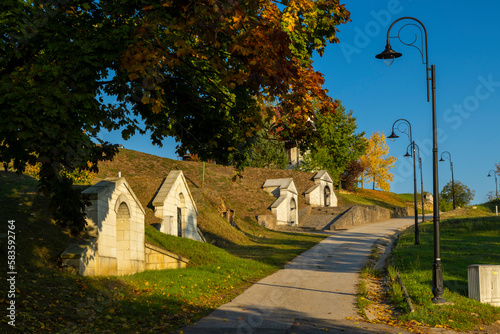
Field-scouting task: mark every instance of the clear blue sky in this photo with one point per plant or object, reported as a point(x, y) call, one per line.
point(464, 45)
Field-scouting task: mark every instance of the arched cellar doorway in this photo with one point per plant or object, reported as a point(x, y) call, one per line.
point(293, 211)
point(122, 237)
point(327, 196)
point(181, 208)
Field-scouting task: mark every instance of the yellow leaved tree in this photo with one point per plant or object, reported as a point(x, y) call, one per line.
point(376, 162)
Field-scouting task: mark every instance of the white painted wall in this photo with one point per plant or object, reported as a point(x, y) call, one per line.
point(174, 193)
point(111, 257)
point(315, 196)
point(285, 191)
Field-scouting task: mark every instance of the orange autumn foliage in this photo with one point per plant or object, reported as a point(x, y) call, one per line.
point(231, 50)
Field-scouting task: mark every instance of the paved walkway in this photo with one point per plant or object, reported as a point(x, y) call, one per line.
point(315, 292)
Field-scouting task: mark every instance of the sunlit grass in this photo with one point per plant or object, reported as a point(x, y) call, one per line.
point(50, 300)
point(375, 197)
point(463, 242)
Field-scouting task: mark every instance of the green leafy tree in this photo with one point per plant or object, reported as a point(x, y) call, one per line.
point(463, 196)
point(266, 151)
point(337, 144)
point(53, 61)
point(193, 69)
point(490, 196)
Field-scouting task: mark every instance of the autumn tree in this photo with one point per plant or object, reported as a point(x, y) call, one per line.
point(192, 69)
point(463, 195)
point(376, 162)
point(350, 177)
point(336, 144)
point(219, 61)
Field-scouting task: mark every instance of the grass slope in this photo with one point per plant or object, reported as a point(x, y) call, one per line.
point(50, 300)
point(145, 174)
point(464, 241)
point(376, 197)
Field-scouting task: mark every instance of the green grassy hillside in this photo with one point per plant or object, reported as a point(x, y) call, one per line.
point(245, 196)
point(375, 197)
point(51, 300)
point(145, 173)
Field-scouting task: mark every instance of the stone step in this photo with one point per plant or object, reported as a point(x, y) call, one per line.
point(335, 210)
point(318, 222)
point(320, 218)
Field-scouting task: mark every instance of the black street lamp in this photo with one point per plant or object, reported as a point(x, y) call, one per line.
point(389, 55)
point(412, 143)
point(421, 178)
point(496, 182)
point(452, 179)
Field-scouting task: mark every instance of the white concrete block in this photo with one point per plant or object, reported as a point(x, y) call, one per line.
point(484, 283)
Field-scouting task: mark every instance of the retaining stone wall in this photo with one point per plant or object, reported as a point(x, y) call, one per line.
point(366, 214)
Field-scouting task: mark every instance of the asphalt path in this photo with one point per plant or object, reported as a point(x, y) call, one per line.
point(314, 293)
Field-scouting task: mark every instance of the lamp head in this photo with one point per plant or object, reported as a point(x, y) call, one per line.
point(393, 136)
point(388, 55)
point(441, 159)
point(407, 155)
point(489, 174)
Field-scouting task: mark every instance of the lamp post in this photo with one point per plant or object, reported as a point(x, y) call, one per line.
point(412, 143)
point(452, 179)
point(421, 178)
point(496, 182)
point(389, 55)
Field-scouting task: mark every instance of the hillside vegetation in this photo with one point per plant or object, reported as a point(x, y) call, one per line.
point(467, 236)
point(145, 172)
point(51, 300)
point(375, 197)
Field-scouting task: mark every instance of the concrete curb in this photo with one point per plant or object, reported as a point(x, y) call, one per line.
point(386, 244)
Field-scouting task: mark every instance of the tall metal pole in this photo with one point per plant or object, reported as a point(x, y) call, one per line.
point(417, 238)
point(452, 185)
point(421, 187)
point(421, 182)
point(452, 178)
point(389, 54)
point(412, 144)
point(437, 267)
point(496, 182)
